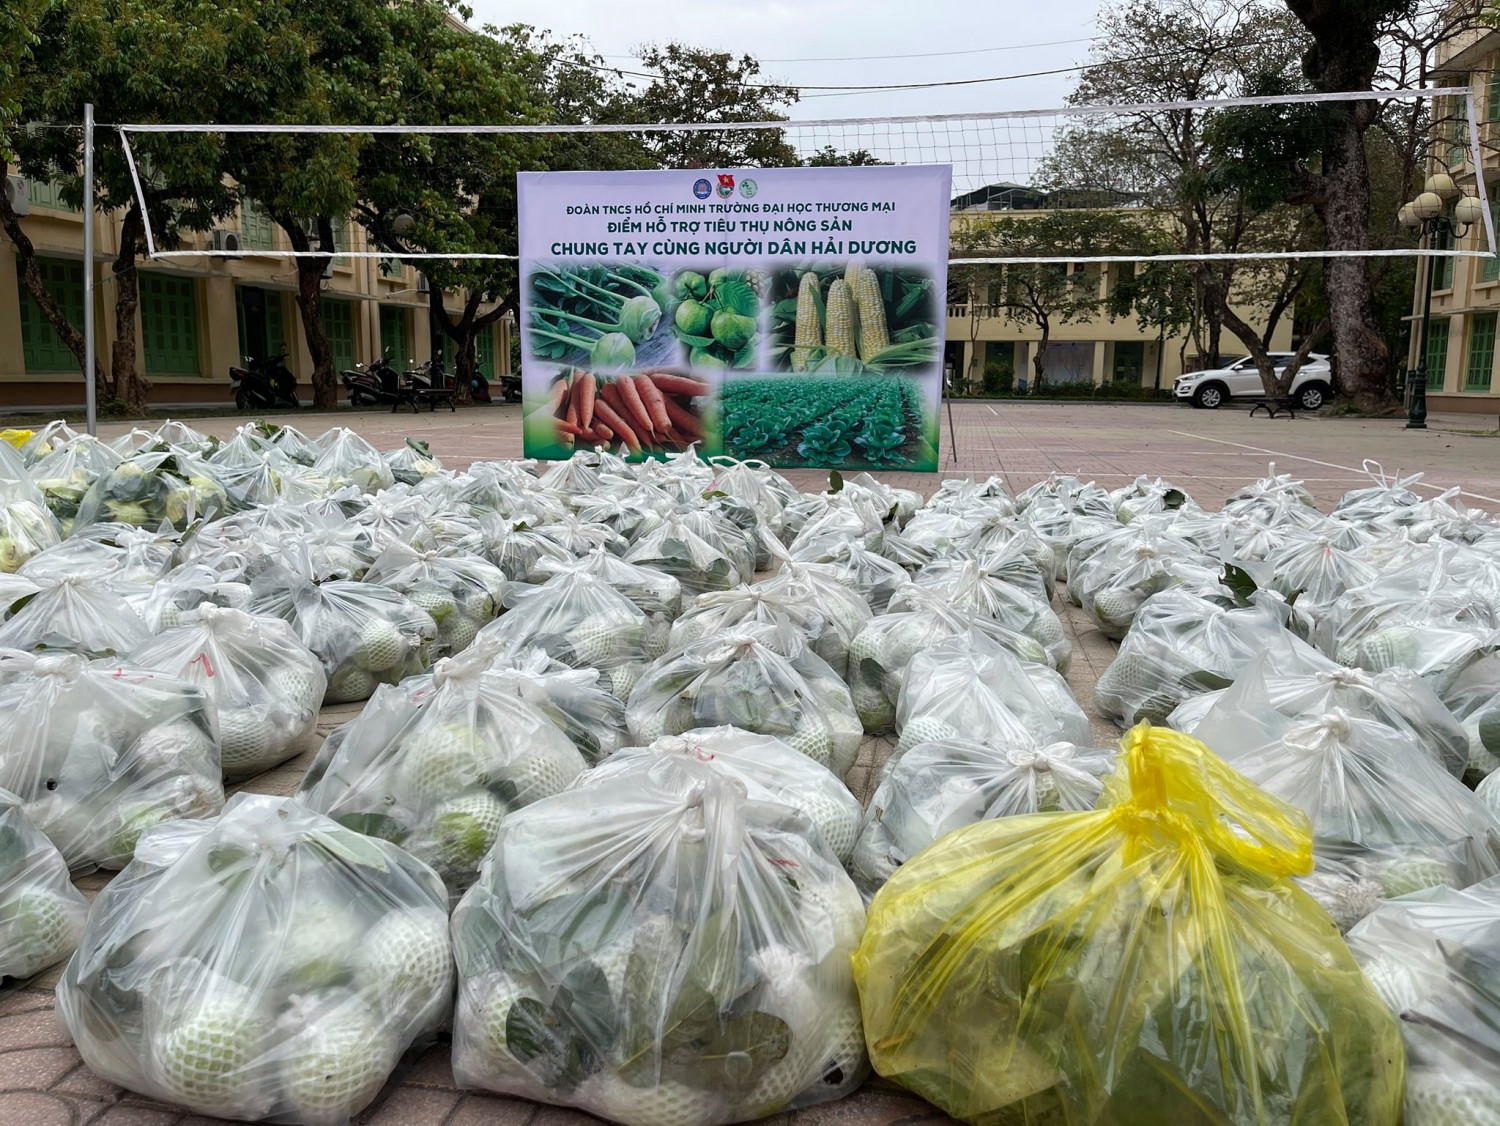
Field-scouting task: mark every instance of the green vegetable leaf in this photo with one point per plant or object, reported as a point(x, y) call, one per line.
point(835, 481)
point(1240, 583)
point(374, 825)
point(737, 296)
point(351, 847)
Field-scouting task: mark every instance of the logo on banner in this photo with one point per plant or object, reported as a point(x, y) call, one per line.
point(748, 188)
point(726, 185)
point(702, 189)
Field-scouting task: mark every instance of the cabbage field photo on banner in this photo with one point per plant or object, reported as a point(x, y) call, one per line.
point(791, 315)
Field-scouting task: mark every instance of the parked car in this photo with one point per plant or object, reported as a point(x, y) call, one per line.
point(1312, 387)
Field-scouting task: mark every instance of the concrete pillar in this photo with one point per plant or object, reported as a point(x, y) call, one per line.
point(12, 357)
point(1099, 371)
point(221, 327)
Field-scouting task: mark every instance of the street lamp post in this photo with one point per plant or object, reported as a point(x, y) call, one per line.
point(1440, 209)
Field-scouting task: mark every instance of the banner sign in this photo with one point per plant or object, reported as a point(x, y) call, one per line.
point(794, 315)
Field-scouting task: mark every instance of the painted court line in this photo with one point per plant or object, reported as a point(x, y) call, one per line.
point(1326, 464)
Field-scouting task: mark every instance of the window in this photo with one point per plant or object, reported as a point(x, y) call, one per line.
point(257, 231)
point(1490, 271)
point(1492, 106)
point(169, 323)
point(484, 346)
point(338, 326)
point(1437, 353)
point(1458, 125)
point(46, 193)
point(259, 314)
point(1130, 361)
point(1442, 268)
point(340, 241)
point(41, 347)
point(1481, 352)
point(394, 335)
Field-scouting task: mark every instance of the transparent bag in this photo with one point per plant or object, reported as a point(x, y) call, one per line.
point(413, 462)
point(872, 576)
point(826, 614)
point(1397, 698)
point(1432, 959)
point(65, 473)
point(364, 634)
point(578, 701)
point(1374, 502)
point(171, 601)
point(99, 752)
point(759, 678)
point(470, 753)
point(346, 460)
point(581, 621)
point(660, 949)
point(74, 612)
point(880, 653)
point(1182, 645)
point(1386, 818)
point(929, 788)
point(769, 769)
point(700, 552)
point(656, 594)
point(265, 685)
point(1147, 496)
point(518, 549)
point(41, 912)
point(153, 487)
point(971, 686)
point(1115, 576)
point(461, 593)
point(267, 964)
point(1145, 962)
point(1000, 589)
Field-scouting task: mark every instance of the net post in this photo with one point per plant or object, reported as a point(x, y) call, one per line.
point(90, 406)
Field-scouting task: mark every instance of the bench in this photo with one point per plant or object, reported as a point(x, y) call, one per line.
point(1285, 405)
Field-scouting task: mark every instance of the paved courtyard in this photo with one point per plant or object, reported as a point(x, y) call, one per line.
point(42, 1079)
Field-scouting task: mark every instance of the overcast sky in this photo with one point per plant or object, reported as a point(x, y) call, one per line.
point(1001, 36)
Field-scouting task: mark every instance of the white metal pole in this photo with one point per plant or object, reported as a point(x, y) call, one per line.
point(88, 269)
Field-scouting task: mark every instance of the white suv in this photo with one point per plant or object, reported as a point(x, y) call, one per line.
point(1312, 387)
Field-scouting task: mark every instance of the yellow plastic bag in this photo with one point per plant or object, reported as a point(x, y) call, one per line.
point(1146, 963)
point(17, 438)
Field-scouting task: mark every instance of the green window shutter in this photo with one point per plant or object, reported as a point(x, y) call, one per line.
point(1481, 352)
point(1437, 353)
point(1459, 126)
point(169, 324)
point(1490, 271)
point(1492, 107)
point(46, 193)
point(257, 231)
point(338, 326)
point(41, 348)
point(484, 347)
point(340, 241)
point(1442, 277)
point(393, 335)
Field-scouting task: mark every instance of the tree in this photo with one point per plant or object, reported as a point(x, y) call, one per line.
point(708, 87)
point(1044, 295)
point(830, 157)
point(139, 61)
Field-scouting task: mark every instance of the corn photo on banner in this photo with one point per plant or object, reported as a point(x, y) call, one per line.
point(793, 315)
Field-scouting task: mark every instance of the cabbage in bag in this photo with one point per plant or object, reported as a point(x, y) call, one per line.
point(755, 677)
point(440, 785)
point(461, 593)
point(660, 950)
point(267, 964)
point(41, 912)
point(1143, 963)
point(101, 752)
point(265, 685)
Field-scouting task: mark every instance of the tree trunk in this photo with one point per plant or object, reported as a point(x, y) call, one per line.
point(31, 277)
point(310, 307)
point(1039, 360)
point(1344, 207)
point(131, 385)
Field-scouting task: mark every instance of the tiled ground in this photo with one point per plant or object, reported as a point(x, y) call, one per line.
point(44, 1083)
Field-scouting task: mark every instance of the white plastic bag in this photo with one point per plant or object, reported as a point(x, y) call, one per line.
point(268, 963)
point(758, 678)
point(265, 685)
point(462, 593)
point(471, 752)
point(578, 701)
point(41, 912)
point(74, 613)
point(930, 788)
point(101, 752)
point(660, 949)
point(769, 769)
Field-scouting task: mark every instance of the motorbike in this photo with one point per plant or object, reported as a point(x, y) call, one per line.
point(373, 385)
point(264, 384)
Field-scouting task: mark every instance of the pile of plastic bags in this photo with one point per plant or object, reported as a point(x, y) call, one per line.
point(41, 912)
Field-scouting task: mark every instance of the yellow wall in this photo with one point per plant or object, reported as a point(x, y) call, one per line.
point(59, 234)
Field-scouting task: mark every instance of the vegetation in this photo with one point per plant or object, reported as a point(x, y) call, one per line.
point(827, 420)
